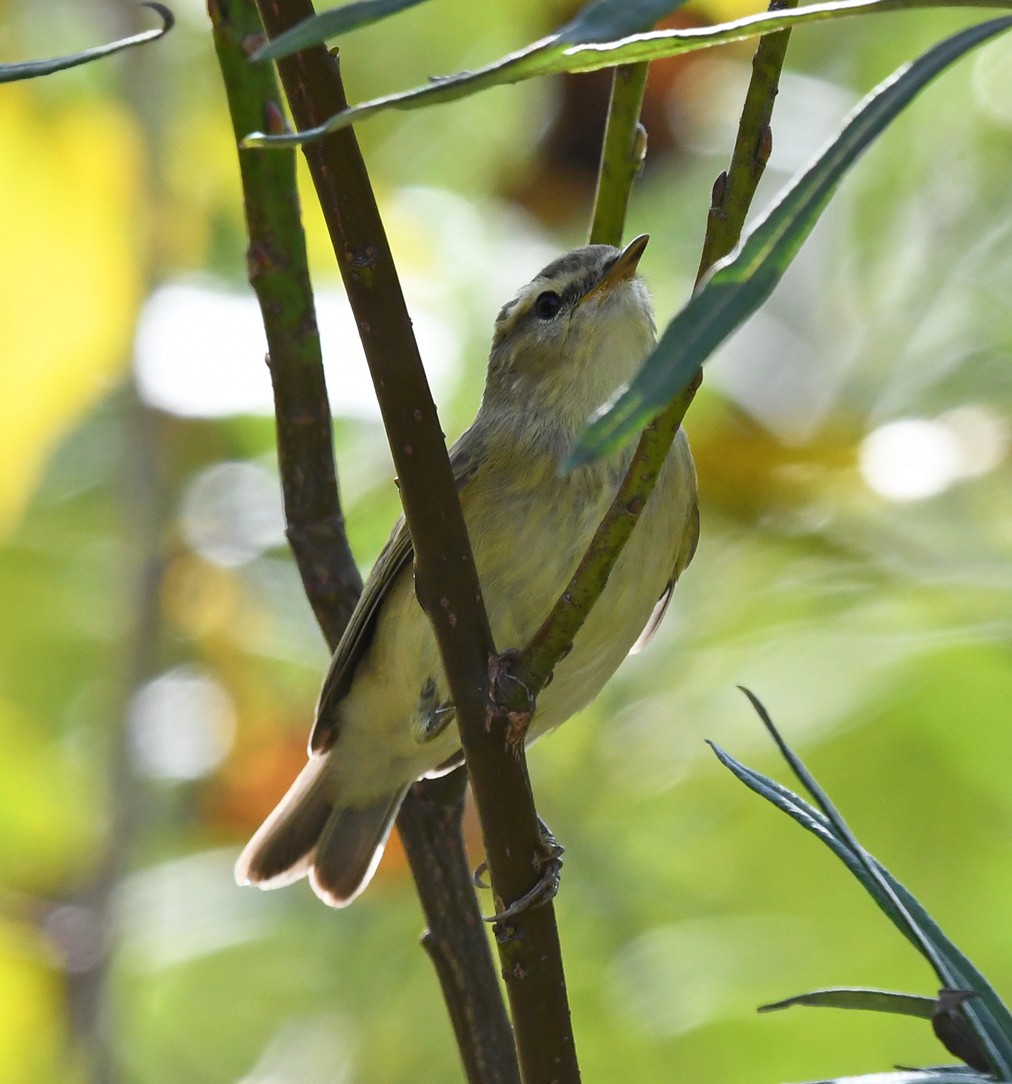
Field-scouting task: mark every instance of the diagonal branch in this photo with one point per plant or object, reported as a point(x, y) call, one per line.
point(733, 194)
point(431, 819)
point(446, 581)
point(735, 188)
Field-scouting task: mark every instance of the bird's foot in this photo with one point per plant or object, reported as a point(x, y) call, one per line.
point(548, 865)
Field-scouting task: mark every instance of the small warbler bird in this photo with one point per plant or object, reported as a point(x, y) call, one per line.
point(561, 347)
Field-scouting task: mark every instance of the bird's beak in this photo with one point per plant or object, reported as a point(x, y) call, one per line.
point(621, 270)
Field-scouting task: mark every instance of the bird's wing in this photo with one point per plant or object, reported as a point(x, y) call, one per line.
point(685, 554)
point(395, 556)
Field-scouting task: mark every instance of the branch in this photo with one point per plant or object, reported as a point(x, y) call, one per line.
point(430, 822)
point(279, 274)
point(429, 826)
point(733, 194)
point(445, 578)
point(735, 188)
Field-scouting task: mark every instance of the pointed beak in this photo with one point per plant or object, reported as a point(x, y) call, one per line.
point(622, 269)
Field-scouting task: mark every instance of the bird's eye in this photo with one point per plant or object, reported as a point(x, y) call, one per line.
point(547, 305)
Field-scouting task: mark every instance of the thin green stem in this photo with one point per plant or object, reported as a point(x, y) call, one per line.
point(279, 273)
point(551, 642)
point(735, 188)
point(625, 145)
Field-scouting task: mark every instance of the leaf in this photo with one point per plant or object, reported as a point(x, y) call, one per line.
point(329, 24)
point(740, 283)
point(551, 55)
point(988, 1017)
point(941, 1075)
point(991, 1020)
point(33, 69)
point(601, 20)
point(857, 997)
point(609, 20)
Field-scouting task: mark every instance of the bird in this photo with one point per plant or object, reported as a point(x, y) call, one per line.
point(561, 347)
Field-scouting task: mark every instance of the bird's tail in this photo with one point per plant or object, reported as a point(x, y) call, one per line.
point(310, 834)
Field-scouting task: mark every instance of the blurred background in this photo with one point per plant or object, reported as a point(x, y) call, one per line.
point(159, 665)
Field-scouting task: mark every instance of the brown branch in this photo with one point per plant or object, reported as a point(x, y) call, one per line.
point(429, 827)
point(430, 822)
point(446, 581)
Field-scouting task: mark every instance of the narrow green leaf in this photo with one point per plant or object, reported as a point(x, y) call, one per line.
point(989, 1021)
point(329, 24)
point(859, 997)
point(739, 284)
point(33, 69)
point(552, 55)
point(987, 1010)
point(940, 1075)
point(990, 1015)
point(611, 20)
point(815, 822)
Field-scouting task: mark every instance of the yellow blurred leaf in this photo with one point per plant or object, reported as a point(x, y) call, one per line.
point(69, 277)
point(31, 1007)
point(50, 832)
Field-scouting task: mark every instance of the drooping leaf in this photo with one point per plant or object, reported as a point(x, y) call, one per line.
point(33, 69)
point(552, 54)
point(739, 284)
point(329, 24)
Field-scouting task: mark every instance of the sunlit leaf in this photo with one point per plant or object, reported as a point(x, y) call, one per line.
point(552, 55)
point(739, 284)
point(33, 69)
point(599, 21)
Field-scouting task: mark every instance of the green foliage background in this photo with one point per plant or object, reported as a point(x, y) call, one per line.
point(877, 631)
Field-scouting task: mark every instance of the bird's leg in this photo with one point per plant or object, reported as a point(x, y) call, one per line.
point(548, 864)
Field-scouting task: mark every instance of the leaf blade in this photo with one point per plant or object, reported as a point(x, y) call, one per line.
point(989, 1019)
point(35, 69)
point(608, 20)
point(860, 997)
point(552, 55)
point(739, 284)
point(329, 24)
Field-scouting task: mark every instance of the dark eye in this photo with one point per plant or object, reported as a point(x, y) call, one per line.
point(547, 305)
